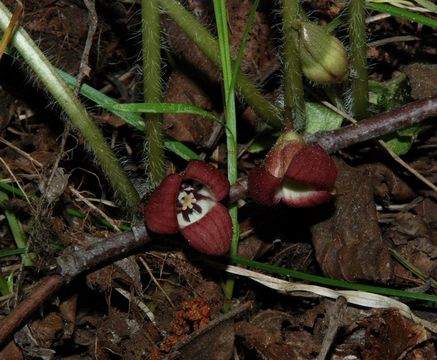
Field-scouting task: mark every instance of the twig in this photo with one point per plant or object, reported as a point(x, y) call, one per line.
point(336, 313)
point(374, 127)
point(84, 67)
point(21, 152)
point(406, 166)
point(94, 208)
point(48, 286)
point(156, 282)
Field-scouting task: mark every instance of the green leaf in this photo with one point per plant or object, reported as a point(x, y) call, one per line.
point(402, 140)
point(162, 108)
point(263, 142)
point(4, 286)
point(181, 150)
point(321, 118)
point(131, 118)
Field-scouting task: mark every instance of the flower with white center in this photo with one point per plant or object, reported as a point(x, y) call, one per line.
point(189, 203)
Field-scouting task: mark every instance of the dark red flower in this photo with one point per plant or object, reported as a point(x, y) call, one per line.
point(296, 174)
point(189, 203)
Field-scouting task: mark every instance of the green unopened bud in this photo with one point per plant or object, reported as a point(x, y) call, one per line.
point(323, 56)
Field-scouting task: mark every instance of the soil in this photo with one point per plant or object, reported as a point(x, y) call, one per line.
point(165, 301)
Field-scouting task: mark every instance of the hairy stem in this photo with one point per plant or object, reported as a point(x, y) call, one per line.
point(151, 30)
point(357, 36)
point(206, 42)
point(294, 104)
point(60, 91)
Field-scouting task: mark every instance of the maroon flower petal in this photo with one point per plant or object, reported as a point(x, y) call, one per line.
point(312, 165)
point(262, 187)
point(208, 175)
point(212, 234)
point(160, 209)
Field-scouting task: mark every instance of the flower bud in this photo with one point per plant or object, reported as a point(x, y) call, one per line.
point(323, 56)
point(293, 173)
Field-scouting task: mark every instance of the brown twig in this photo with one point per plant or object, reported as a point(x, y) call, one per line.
point(374, 127)
point(84, 68)
point(49, 285)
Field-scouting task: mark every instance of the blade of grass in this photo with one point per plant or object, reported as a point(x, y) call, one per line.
point(131, 118)
point(240, 54)
point(12, 252)
point(331, 282)
point(231, 122)
point(412, 268)
point(403, 14)
point(16, 229)
point(163, 108)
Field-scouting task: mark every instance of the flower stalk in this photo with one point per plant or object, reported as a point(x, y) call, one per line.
point(151, 39)
point(358, 48)
point(294, 104)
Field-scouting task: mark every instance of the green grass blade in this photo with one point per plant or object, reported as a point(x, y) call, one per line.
point(181, 150)
point(163, 108)
point(131, 118)
point(403, 13)
point(331, 282)
point(220, 12)
point(12, 252)
point(16, 228)
point(239, 59)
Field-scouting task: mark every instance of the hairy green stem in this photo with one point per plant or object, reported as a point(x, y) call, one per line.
point(60, 91)
point(294, 104)
point(151, 30)
point(206, 42)
point(357, 38)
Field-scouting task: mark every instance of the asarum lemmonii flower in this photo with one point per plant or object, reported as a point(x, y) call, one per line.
point(189, 203)
point(294, 173)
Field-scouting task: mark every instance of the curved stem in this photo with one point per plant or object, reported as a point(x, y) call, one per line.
point(75, 111)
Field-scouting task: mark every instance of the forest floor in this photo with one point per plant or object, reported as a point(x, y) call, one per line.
point(165, 301)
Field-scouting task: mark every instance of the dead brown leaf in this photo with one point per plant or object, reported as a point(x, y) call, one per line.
point(349, 245)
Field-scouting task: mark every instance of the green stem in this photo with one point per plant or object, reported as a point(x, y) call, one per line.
point(294, 104)
point(231, 123)
point(357, 38)
point(75, 111)
point(151, 30)
point(206, 42)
